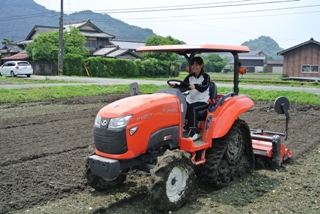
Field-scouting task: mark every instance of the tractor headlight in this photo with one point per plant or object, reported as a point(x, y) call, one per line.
point(119, 122)
point(97, 121)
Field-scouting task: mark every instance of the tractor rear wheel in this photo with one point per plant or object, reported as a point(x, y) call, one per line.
point(172, 180)
point(101, 184)
point(230, 157)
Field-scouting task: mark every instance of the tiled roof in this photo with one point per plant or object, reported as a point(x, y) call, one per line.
point(104, 51)
point(76, 24)
point(251, 53)
point(41, 29)
point(95, 34)
point(10, 48)
point(311, 41)
point(24, 42)
point(18, 56)
point(114, 51)
point(132, 45)
point(45, 29)
point(123, 53)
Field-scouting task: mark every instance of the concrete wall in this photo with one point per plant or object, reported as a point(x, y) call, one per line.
point(45, 68)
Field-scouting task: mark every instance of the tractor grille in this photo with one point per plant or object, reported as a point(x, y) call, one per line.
point(110, 141)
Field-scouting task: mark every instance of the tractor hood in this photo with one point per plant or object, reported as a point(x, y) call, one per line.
point(137, 104)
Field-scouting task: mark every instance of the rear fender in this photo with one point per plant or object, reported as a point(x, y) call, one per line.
point(225, 115)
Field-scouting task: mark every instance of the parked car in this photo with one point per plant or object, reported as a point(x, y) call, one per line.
point(14, 68)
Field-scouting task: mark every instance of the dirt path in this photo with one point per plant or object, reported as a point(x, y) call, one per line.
point(43, 144)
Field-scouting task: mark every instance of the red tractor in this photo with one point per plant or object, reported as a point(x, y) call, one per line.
point(145, 133)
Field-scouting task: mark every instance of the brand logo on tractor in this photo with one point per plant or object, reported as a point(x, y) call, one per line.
point(104, 122)
point(169, 110)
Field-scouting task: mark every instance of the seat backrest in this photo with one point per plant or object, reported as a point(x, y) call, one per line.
point(212, 91)
point(202, 111)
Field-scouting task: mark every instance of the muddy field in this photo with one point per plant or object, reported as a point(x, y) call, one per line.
point(44, 144)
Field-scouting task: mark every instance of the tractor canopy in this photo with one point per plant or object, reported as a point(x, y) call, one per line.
point(189, 52)
point(196, 48)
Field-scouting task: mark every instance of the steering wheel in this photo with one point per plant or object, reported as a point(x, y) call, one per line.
point(182, 86)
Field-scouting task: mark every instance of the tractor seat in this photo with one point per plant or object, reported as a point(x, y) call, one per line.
point(201, 112)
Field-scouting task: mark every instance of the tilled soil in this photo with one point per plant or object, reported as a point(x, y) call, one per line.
point(44, 144)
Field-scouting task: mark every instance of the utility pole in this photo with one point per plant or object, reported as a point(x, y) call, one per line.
point(60, 54)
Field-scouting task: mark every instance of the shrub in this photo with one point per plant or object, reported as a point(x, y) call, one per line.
point(154, 68)
point(73, 64)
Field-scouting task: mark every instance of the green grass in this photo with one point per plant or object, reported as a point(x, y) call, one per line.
point(47, 93)
point(23, 81)
point(271, 95)
point(254, 79)
point(56, 92)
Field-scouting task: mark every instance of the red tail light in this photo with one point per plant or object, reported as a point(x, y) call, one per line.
point(17, 67)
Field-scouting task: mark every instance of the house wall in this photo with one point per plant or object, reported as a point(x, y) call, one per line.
point(250, 69)
point(7, 54)
point(305, 55)
point(96, 43)
point(274, 68)
point(88, 27)
point(277, 69)
point(252, 65)
point(250, 62)
point(258, 69)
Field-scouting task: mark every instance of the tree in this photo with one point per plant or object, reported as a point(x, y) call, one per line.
point(45, 46)
point(6, 41)
point(162, 61)
point(159, 40)
point(74, 42)
point(214, 63)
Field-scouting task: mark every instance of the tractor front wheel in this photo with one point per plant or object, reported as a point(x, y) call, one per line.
point(172, 180)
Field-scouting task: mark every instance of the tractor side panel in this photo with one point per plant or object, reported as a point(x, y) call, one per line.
point(161, 117)
point(219, 122)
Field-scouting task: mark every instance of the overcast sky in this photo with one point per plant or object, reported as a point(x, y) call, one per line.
point(288, 22)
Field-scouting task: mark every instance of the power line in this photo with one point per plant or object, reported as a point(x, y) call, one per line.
point(158, 9)
point(187, 7)
point(226, 13)
point(27, 16)
point(237, 17)
point(218, 5)
point(156, 19)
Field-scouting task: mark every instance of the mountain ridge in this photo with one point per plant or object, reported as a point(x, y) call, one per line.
point(17, 19)
point(31, 13)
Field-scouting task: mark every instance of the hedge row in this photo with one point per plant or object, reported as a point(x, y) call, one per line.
point(106, 67)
